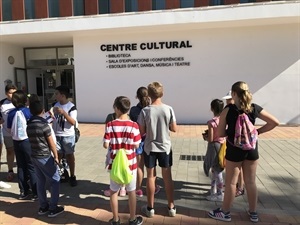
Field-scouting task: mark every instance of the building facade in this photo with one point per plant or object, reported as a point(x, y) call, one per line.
point(196, 48)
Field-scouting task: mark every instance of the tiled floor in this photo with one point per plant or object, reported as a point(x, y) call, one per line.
point(278, 184)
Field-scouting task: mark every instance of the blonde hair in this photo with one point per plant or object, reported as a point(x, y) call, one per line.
point(155, 90)
point(245, 97)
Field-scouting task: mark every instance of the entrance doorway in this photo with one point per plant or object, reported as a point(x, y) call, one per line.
point(48, 68)
point(48, 80)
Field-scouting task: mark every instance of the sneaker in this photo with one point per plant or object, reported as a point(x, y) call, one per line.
point(146, 212)
point(122, 192)
point(215, 198)
point(138, 221)
point(10, 176)
point(139, 193)
point(157, 189)
point(23, 196)
point(43, 211)
point(57, 211)
point(218, 214)
point(107, 193)
point(112, 222)
point(253, 216)
point(172, 212)
point(73, 181)
point(4, 185)
point(34, 197)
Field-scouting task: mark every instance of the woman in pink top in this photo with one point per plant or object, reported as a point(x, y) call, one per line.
point(211, 158)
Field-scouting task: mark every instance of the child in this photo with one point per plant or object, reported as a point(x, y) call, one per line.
point(45, 163)
point(5, 107)
point(240, 190)
point(237, 158)
point(122, 192)
point(144, 100)
point(211, 158)
point(157, 146)
point(123, 133)
point(16, 123)
point(63, 126)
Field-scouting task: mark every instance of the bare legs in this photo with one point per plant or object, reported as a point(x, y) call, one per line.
point(231, 178)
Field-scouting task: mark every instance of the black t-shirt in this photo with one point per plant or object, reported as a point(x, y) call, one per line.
point(135, 112)
point(232, 116)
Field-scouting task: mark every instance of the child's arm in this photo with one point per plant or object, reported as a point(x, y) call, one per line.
point(173, 126)
point(52, 147)
point(210, 134)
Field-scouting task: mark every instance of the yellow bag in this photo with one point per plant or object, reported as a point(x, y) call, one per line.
point(120, 172)
point(221, 155)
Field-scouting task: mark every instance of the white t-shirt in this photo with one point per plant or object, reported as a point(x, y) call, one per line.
point(6, 107)
point(60, 125)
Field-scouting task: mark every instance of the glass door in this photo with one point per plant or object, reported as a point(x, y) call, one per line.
point(50, 79)
point(49, 83)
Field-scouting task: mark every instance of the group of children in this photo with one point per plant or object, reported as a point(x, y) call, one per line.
point(127, 128)
point(131, 126)
point(38, 146)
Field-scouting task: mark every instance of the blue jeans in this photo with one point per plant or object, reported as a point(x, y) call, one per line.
point(47, 176)
point(25, 167)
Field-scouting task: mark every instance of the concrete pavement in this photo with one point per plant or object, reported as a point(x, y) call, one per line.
point(278, 180)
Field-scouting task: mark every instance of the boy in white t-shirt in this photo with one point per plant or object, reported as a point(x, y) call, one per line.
point(65, 114)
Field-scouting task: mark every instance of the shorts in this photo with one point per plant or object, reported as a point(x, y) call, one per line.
point(65, 144)
point(163, 159)
point(236, 154)
point(8, 141)
point(129, 187)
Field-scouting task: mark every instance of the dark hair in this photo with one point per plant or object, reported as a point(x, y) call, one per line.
point(63, 90)
point(142, 95)
point(217, 106)
point(122, 103)
point(19, 99)
point(244, 95)
point(36, 108)
point(155, 90)
point(33, 98)
point(9, 87)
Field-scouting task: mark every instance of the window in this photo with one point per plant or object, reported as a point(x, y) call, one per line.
point(6, 10)
point(246, 1)
point(186, 3)
point(53, 8)
point(29, 9)
point(158, 4)
point(78, 7)
point(104, 6)
point(216, 2)
point(131, 6)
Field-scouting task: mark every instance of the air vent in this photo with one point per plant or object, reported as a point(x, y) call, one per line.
point(192, 157)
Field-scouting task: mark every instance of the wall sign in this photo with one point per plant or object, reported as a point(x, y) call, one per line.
point(127, 59)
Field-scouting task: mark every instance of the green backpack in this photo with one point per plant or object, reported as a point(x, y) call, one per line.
point(120, 172)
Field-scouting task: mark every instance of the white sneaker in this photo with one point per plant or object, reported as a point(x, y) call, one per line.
point(172, 212)
point(215, 198)
point(146, 212)
point(4, 185)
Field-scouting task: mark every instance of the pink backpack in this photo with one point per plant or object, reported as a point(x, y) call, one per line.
point(246, 135)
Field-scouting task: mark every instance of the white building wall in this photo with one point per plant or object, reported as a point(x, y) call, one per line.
point(256, 43)
point(263, 56)
point(6, 69)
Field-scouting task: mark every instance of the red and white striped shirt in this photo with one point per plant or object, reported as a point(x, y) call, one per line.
point(122, 134)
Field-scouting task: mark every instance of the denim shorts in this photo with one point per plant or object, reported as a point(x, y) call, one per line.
point(65, 145)
point(8, 141)
point(163, 159)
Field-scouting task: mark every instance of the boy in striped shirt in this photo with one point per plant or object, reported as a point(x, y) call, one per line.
point(123, 133)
